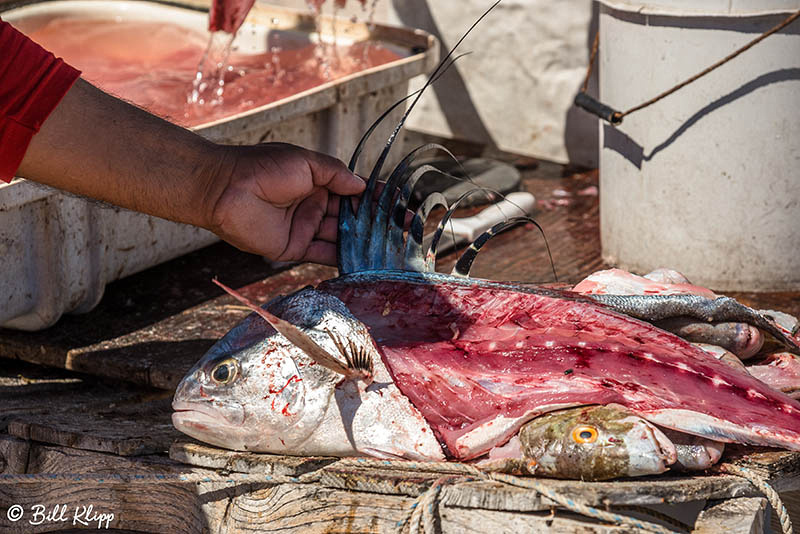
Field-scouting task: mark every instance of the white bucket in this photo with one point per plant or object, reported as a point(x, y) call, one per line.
point(707, 180)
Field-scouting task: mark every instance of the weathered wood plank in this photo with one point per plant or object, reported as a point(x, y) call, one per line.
point(27, 389)
point(310, 508)
point(155, 507)
point(201, 455)
point(743, 515)
point(126, 427)
point(242, 508)
point(495, 496)
point(13, 455)
point(50, 459)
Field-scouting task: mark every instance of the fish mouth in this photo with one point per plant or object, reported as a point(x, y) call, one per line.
point(201, 422)
point(668, 452)
point(233, 414)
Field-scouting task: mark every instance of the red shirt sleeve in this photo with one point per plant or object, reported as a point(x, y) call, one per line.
point(32, 83)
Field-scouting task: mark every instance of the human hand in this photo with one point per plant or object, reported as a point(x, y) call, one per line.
point(279, 200)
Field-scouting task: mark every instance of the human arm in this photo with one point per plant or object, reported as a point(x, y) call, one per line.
point(274, 199)
point(277, 200)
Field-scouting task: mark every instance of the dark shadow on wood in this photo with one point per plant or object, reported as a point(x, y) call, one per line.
point(160, 364)
point(149, 296)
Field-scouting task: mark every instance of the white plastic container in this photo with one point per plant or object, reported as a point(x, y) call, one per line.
point(58, 252)
point(706, 181)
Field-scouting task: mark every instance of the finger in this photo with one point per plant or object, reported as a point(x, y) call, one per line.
point(306, 221)
point(331, 173)
point(333, 204)
point(328, 230)
point(321, 252)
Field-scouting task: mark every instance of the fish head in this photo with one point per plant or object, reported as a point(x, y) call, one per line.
point(253, 390)
point(595, 443)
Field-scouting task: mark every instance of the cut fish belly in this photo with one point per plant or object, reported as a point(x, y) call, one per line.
point(472, 355)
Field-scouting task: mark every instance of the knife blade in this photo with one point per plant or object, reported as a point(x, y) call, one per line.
point(465, 230)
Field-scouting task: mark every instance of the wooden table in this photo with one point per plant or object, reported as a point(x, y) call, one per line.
point(92, 394)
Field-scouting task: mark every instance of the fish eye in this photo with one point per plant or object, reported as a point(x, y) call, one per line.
point(584, 434)
point(225, 371)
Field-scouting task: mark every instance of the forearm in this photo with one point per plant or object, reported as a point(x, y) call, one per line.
point(98, 146)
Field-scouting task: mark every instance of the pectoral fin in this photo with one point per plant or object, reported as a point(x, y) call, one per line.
point(357, 366)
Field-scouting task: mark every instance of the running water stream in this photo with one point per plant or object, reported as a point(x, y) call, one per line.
point(192, 77)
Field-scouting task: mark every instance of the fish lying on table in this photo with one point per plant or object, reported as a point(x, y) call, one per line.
point(394, 360)
point(730, 342)
point(600, 443)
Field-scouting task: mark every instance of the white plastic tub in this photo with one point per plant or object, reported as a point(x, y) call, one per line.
point(706, 181)
point(58, 252)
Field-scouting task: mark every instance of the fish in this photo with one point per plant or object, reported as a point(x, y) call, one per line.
point(597, 443)
point(742, 339)
point(590, 443)
point(694, 453)
point(392, 359)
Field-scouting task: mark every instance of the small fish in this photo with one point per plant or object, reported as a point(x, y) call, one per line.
point(595, 443)
point(600, 443)
point(744, 338)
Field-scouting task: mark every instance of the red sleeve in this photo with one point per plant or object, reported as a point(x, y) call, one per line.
point(32, 83)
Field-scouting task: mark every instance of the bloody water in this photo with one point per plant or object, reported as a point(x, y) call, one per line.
point(154, 65)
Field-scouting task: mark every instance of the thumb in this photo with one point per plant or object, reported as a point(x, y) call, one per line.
point(332, 174)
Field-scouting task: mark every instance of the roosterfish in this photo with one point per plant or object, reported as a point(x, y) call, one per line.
point(394, 360)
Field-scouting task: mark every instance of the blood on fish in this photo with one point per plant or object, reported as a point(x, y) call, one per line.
point(294, 378)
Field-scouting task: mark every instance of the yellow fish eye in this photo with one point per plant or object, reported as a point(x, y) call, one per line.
point(225, 371)
point(584, 434)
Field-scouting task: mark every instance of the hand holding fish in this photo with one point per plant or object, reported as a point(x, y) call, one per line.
point(280, 200)
point(274, 199)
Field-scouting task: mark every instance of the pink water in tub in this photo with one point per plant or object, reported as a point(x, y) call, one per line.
point(155, 65)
